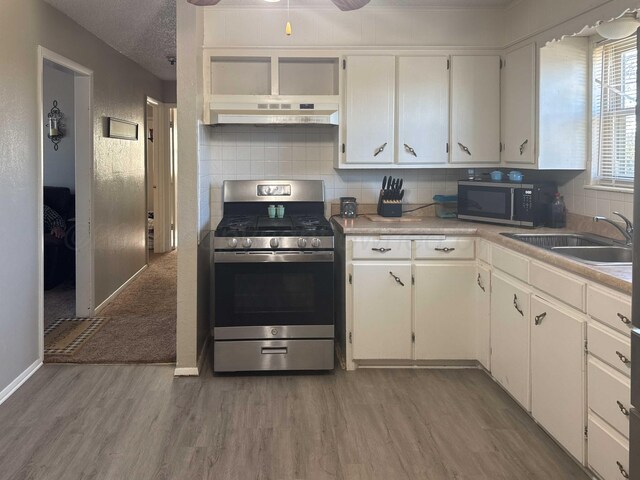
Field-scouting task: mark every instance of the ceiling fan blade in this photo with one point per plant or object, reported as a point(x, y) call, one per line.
point(346, 5)
point(204, 3)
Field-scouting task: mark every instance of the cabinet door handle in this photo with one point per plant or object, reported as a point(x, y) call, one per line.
point(381, 250)
point(522, 145)
point(624, 319)
point(516, 306)
point(445, 250)
point(539, 318)
point(479, 281)
point(623, 472)
point(397, 279)
point(380, 149)
point(410, 150)
point(623, 358)
point(623, 409)
point(464, 148)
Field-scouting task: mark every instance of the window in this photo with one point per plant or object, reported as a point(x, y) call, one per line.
point(614, 119)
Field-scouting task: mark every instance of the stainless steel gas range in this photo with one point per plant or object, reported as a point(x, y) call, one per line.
point(274, 297)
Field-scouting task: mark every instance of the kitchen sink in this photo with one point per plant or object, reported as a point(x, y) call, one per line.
point(598, 255)
point(583, 247)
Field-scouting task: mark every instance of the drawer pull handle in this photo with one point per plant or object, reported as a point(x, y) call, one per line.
point(516, 306)
point(480, 283)
point(623, 472)
point(624, 319)
point(381, 250)
point(380, 149)
point(274, 350)
point(539, 318)
point(410, 150)
point(623, 358)
point(522, 145)
point(464, 148)
point(623, 409)
point(445, 250)
point(397, 279)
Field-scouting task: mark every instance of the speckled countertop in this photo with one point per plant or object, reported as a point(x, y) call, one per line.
point(616, 277)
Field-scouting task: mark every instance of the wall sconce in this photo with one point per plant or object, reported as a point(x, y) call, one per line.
point(55, 125)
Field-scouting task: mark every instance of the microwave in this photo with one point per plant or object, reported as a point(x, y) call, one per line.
point(519, 204)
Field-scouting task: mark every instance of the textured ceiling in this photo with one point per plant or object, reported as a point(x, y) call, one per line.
point(145, 30)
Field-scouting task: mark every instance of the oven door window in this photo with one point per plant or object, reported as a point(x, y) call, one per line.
point(266, 294)
point(488, 202)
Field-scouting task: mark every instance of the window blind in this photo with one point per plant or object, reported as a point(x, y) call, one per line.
point(614, 119)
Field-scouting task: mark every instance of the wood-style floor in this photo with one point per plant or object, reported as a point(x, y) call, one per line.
point(139, 422)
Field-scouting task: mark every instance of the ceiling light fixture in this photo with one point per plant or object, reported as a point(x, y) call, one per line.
point(619, 28)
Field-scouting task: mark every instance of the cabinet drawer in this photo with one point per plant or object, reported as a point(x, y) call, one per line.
point(609, 395)
point(381, 249)
point(609, 346)
point(612, 310)
point(484, 251)
point(608, 451)
point(563, 287)
point(513, 264)
point(456, 248)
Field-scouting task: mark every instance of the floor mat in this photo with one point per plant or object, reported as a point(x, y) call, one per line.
point(66, 335)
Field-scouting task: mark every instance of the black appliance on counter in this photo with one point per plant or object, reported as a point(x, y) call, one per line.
point(274, 295)
point(518, 204)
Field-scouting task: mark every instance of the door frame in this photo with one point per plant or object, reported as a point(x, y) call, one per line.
point(83, 115)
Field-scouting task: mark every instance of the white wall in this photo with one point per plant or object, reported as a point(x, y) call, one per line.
point(119, 90)
point(59, 165)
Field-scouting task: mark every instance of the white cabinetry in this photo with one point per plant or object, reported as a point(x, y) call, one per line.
point(444, 311)
point(483, 316)
point(370, 100)
point(423, 110)
point(557, 373)
point(382, 310)
point(510, 302)
point(518, 106)
point(475, 109)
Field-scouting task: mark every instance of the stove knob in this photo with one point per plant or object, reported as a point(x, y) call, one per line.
point(315, 243)
point(274, 242)
point(232, 242)
point(247, 243)
point(302, 242)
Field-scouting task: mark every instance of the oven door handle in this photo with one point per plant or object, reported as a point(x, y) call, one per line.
point(271, 257)
point(274, 350)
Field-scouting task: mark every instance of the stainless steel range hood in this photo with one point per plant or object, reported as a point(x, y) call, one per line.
point(279, 113)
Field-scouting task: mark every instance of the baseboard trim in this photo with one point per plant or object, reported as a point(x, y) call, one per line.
point(112, 297)
point(17, 383)
point(194, 371)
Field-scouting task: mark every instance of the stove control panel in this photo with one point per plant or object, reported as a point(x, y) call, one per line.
point(273, 243)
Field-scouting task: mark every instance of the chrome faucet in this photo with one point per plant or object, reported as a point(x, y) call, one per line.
point(626, 232)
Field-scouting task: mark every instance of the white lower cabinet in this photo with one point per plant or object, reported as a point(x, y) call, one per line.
point(382, 311)
point(444, 311)
point(510, 303)
point(608, 451)
point(483, 316)
point(558, 374)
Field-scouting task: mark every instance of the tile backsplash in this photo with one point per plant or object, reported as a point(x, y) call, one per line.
point(298, 152)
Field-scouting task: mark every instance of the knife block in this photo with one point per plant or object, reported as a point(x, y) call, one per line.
point(389, 208)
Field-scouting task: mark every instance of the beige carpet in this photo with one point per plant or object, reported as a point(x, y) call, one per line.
point(59, 302)
point(141, 321)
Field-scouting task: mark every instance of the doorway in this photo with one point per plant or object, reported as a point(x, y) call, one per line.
point(65, 181)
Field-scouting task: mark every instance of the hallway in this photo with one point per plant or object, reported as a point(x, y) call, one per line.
point(140, 324)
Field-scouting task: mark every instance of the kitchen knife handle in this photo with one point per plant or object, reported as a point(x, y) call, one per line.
point(516, 306)
point(623, 358)
point(410, 150)
point(465, 149)
point(380, 149)
point(624, 319)
point(445, 250)
point(479, 281)
point(539, 318)
point(623, 472)
point(381, 250)
point(397, 279)
point(623, 409)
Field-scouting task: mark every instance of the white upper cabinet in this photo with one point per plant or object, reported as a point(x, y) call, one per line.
point(423, 110)
point(370, 109)
point(518, 106)
point(475, 109)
